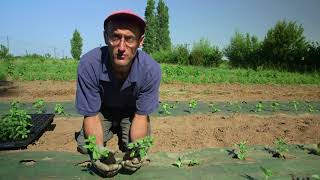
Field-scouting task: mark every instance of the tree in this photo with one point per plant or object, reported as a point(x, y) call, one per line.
point(284, 46)
point(4, 51)
point(149, 44)
point(163, 34)
point(243, 50)
point(76, 45)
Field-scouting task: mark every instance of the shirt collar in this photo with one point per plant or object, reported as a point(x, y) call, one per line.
point(106, 64)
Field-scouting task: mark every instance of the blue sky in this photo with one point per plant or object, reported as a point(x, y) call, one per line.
point(39, 26)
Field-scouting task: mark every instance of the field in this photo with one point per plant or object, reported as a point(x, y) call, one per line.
point(190, 132)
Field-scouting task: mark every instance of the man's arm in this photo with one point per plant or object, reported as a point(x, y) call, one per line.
point(139, 127)
point(92, 126)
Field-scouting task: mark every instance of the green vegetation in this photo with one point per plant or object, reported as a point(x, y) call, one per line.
point(188, 162)
point(92, 147)
point(59, 109)
point(39, 106)
point(213, 108)
point(266, 172)
point(275, 106)
point(41, 68)
point(259, 107)
point(76, 45)
point(157, 35)
point(140, 147)
point(193, 105)
point(281, 148)
point(16, 124)
point(243, 149)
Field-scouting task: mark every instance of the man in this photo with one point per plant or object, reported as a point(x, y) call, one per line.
point(117, 89)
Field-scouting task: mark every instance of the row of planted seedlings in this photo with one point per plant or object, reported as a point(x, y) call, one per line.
point(241, 152)
point(16, 123)
point(166, 108)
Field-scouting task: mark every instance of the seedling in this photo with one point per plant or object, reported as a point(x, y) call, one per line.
point(214, 109)
point(16, 124)
point(315, 176)
point(59, 109)
point(165, 109)
point(267, 172)
point(281, 148)
point(39, 105)
point(243, 149)
point(259, 107)
point(295, 105)
point(140, 147)
point(188, 162)
point(274, 106)
point(310, 107)
point(178, 163)
point(92, 147)
point(192, 105)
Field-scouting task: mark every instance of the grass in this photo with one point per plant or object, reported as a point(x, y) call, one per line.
point(54, 69)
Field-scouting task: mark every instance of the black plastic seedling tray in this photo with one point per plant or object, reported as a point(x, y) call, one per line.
point(39, 124)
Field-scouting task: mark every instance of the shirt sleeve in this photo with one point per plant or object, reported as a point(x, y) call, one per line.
point(148, 97)
point(88, 99)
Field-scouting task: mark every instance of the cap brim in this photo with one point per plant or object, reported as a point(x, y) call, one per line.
point(126, 15)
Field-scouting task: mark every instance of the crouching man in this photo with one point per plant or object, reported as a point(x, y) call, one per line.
point(117, 90)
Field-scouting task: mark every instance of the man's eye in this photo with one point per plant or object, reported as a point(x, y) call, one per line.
point(130, 39)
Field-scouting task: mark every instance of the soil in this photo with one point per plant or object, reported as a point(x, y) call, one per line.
point(184, 133)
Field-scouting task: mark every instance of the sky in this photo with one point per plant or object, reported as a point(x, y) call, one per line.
point(43, 26)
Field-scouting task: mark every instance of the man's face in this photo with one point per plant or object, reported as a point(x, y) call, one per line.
point(123, 41)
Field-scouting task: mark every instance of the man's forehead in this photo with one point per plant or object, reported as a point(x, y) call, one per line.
point(115, 25)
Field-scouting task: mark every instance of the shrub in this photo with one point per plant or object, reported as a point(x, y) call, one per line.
point(243, 51)
point(203, 54)
point(163, 56)
point(76, 45)
point(180, 54)
point(284, 46)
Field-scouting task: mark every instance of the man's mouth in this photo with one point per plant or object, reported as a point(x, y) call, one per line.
point(121, 56)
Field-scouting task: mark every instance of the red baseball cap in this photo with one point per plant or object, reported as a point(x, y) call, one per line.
point(126, 14)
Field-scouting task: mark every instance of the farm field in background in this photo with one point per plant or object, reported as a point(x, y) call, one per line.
point(206, 115)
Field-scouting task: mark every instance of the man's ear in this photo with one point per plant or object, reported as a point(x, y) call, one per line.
point(141, 40)
point(105, 35)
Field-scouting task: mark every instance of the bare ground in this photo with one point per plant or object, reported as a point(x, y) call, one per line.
point(182, 133)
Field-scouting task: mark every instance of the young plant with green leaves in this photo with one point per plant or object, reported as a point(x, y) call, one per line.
point(266, 172)
point(275, 106)
point(295, 105)
point(39, 105)
point(59, 109)
point(214, 108)
point(310, 107)
point(281, 147)
point(165, 109)
point(140, 147)
point(93, 148)
point(188, 162)
point(259, 107)
point(243, 149)
point(16, 124)
point(193, 105)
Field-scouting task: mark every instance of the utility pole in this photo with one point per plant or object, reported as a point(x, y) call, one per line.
point(8, 44)
point(54, 52)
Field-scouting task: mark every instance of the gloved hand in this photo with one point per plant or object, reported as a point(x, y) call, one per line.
point(131, 163)
point(106, 166)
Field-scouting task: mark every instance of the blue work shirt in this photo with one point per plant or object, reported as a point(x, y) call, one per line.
point(97, 88)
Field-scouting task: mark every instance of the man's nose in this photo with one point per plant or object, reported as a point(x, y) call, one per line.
point(122, 44)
